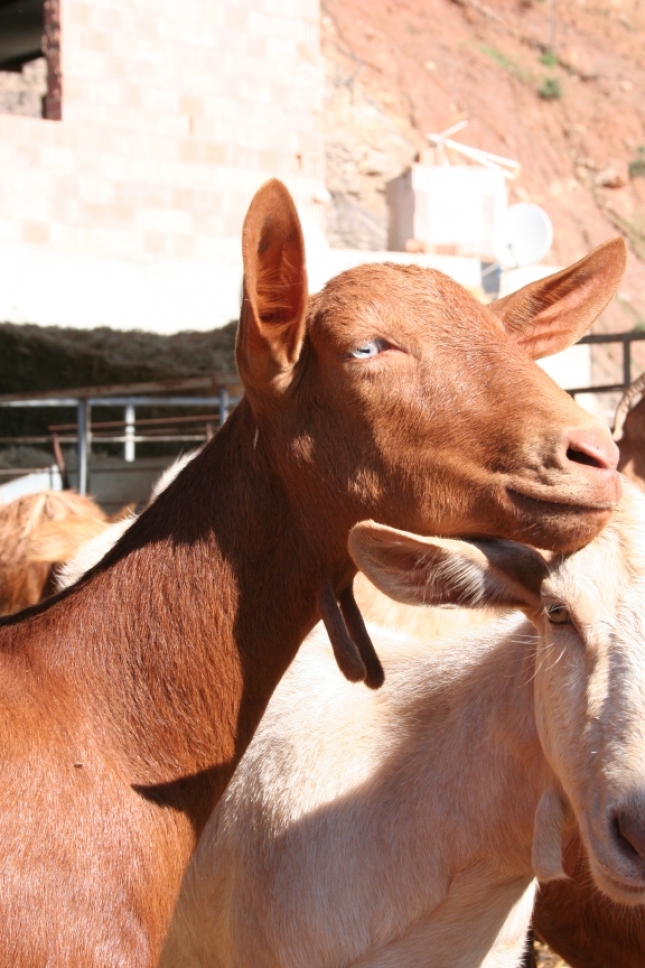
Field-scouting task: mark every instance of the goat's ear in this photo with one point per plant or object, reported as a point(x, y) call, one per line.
point(441, 571)
point(550, 818)
point(274, 305)
point(551, 314)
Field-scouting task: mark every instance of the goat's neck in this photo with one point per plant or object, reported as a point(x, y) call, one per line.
point(181, 634)
point(473, 705)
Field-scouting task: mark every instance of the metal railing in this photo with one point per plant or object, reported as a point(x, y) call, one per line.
point(130, 397)
point(625, 340)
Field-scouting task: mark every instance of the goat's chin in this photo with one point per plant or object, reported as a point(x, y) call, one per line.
point(556, 527)
point(543, 524)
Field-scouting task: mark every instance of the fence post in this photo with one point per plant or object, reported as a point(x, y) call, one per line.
point(83, 432)
point(223, 404)
point(129, 446)
point(627, 359)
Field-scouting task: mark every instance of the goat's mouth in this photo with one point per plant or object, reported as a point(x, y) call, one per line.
point(538, 502)
point(585, 489)
point(617, 869)
point(554, 525)
point(618, 888)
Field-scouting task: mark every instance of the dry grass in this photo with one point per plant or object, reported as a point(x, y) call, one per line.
point(545, 958)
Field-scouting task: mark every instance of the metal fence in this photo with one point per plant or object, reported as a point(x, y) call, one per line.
point(625, 340)
point(130, 431)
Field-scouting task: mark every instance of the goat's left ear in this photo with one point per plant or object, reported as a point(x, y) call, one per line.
point(441, 571)
point(546, 316)
point(274, 305)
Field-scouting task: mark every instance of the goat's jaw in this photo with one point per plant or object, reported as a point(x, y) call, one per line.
point(556, 526)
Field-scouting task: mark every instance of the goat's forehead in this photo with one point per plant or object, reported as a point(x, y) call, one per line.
point(383, 293)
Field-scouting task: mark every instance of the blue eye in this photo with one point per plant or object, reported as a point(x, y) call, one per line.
point(373, 348)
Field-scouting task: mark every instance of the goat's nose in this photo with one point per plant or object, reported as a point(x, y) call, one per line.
point(629, 828)
point(592, 446)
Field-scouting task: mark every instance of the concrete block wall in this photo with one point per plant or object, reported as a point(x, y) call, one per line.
point(172, 115)
point(22, 92)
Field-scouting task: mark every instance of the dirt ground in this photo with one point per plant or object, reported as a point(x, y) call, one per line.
point(571, 112)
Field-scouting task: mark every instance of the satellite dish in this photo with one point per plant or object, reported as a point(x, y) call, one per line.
point(316, 251)
point(522, 236)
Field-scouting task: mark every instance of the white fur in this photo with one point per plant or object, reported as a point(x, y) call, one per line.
point(96, 548)
point(92, 552)
point(166, 478)
point(394, 829)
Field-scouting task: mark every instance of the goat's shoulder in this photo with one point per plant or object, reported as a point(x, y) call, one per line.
point(325, 736)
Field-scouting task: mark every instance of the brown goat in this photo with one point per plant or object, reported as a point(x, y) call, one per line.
point(127, 700)
point(584, 926)
point(25, 578)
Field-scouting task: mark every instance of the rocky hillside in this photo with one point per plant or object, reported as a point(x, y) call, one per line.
point(562, 97)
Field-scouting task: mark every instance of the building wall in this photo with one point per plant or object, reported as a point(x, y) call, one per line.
point(22, 92)
point(173, 113)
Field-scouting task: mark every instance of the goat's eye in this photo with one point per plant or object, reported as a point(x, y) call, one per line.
point(558, 614)
point(366, 350)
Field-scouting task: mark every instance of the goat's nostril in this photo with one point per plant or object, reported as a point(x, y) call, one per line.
point(579, 457)
point(592, 447)
point(629, 830)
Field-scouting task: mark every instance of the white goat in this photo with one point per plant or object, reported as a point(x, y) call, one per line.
point(404, 827)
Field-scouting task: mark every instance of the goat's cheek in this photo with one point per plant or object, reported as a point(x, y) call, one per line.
point(561, 702)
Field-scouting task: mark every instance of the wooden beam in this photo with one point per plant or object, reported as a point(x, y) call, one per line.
point(53, 104)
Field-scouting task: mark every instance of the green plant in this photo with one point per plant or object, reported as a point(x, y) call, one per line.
point(549, 59)
point(637, 166)
point(505, 62)
point(632, 228)
point(550, 89)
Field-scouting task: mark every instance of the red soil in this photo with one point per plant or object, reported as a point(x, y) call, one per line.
point(398, 69)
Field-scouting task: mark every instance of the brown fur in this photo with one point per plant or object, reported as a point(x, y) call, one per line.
point(127, 700)
point(584, 926)
point(25, 573)
point(58, 541)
